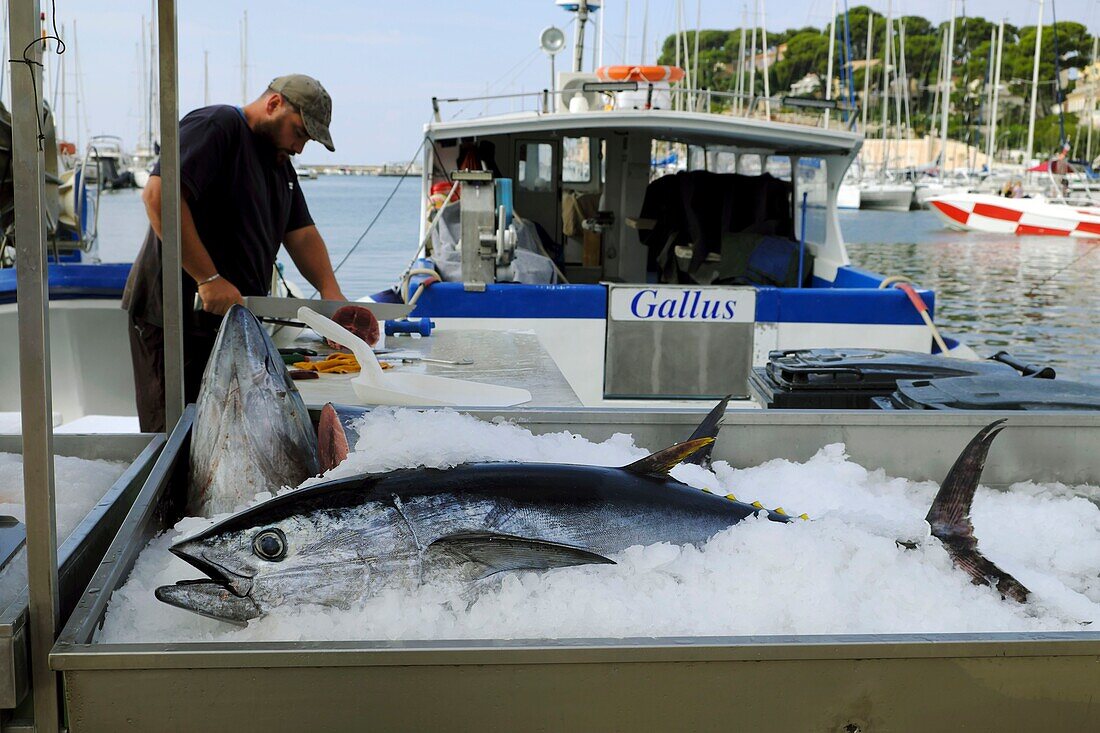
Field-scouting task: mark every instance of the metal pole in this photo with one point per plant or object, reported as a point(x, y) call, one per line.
point(1034, 88)
point(752, 56)
point(170, 215)
point(829, 65)
point(764, 47)
point(1091, 101)
point(867, 71)
point(578, 42)
point(947, 90)
point(36, 399)
point(996, 92)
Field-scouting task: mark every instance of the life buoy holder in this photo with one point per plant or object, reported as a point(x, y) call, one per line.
point(640, 73)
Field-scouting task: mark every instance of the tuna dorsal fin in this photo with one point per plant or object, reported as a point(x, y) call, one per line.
point(949, 516)
point(499, 553)
point(661, 462)
point(709, 428)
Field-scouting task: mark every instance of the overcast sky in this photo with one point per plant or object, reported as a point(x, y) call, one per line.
point(383, 61)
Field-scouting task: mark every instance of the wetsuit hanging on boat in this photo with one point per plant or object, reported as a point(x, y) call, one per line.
point(240, 201)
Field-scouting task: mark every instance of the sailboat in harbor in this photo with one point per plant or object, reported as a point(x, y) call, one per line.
point(885, 192)
point(1061, 214)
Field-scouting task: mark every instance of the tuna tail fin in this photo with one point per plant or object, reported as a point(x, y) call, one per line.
point(709, 428)
point(336, 433)
point(661, 462)
point(949, 516)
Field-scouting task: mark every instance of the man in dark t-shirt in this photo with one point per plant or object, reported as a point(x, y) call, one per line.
point(240, 201)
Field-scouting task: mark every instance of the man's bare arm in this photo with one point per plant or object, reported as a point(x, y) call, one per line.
point(307, 249)
point(217, 295)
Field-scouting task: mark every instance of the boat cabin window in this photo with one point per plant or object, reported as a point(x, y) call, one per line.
point(697, 158)
point(666, 157)
point(721, 161)
point(750, 165)
point(535, 167)
point(576, 160)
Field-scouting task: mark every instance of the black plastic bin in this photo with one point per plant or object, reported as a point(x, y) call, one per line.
point(849, 379)
point(991, 393)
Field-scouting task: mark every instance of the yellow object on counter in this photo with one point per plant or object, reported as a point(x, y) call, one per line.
point(334, 364)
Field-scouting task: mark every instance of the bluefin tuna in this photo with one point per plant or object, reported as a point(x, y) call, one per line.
point(340, 542)
point(252, 431)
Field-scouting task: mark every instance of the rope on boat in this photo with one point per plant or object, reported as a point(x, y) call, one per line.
point(385, 204)
point(906, 286)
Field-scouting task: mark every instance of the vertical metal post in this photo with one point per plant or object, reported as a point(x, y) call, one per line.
point(170, 215)
point(34, 355)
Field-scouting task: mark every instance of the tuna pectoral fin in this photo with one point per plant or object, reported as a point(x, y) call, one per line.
point(337, 433)
point(949, 516)
point(498, 553)
point(661, 462)
point(709, 428)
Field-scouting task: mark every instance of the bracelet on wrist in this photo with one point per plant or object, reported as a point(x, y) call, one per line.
point(208, 280)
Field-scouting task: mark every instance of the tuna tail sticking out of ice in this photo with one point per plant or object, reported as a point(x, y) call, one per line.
point(252, 431)
point(949, 516)
point(340, 542)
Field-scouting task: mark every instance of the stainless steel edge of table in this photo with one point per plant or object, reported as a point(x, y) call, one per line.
point(837, 682)
point(79, 555)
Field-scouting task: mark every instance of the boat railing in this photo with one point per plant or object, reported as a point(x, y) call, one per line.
point(806, 111)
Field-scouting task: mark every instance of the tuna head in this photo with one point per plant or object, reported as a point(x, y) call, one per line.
point(252, 431)
point(318, 550)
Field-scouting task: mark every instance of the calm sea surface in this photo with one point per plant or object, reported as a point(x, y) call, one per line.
point(1037, 297)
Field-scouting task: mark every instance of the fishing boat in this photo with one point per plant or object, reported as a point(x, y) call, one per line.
point(644, 284)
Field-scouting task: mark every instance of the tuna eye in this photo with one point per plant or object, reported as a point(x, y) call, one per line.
point(270, 544)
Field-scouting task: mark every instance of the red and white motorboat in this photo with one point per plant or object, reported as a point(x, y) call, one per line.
point(983, 212)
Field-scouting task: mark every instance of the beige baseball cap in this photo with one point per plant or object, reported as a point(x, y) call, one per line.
point(312, 101)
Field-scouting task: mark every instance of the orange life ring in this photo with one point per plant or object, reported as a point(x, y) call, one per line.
point(640, 73)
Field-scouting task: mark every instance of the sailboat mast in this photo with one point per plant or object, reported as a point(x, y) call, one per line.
point(1034, 87)
point(695, 63)
point(752, 56)
point(740, 88)
point(829, 66)
point(867, 68)
point(947, 91)
point(205, 78)
point(990, 144)
point(886, 87)
point(764, 47)
point(1092, 105)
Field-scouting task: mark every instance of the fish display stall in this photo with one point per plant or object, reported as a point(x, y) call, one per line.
point(97, 478)
point(830, 612)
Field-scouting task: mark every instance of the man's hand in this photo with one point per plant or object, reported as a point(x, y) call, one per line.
point(218, 296)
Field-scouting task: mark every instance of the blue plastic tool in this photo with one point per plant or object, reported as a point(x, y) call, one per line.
point(422, 326)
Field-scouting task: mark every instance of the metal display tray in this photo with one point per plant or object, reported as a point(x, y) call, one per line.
point(897, 682)
point(79, 555)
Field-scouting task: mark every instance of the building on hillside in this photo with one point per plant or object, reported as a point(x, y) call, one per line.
point(1083, 99)
point(806, 86)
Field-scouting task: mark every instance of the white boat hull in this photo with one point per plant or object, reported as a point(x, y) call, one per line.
point(848, 196)
point(886, 198)
point(978, 212)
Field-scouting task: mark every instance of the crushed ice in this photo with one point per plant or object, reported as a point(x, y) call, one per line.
point(842, 572)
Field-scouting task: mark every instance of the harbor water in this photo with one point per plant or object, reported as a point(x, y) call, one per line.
point(1034, 296)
